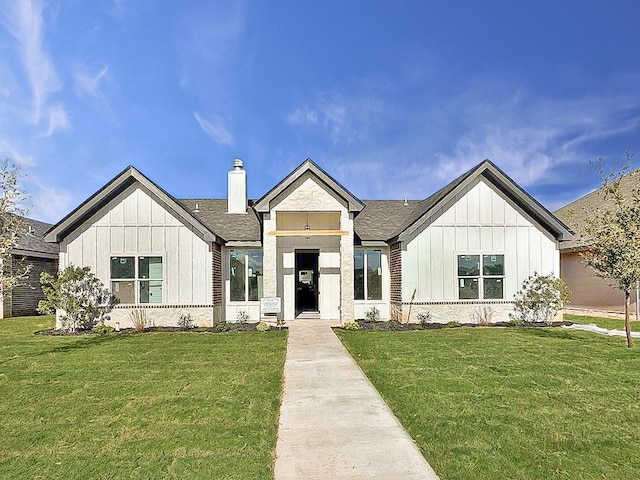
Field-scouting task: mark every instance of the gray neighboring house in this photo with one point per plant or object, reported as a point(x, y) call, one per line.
point(30, 249)
point(310, 242)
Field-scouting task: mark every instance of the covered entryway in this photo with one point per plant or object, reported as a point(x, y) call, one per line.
point(307, 277)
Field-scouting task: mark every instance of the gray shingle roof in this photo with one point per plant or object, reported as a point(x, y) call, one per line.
point(380, 219)
point(229, 226)
point(34, 241)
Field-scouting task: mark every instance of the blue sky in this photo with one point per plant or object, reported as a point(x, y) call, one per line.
point(392, 98)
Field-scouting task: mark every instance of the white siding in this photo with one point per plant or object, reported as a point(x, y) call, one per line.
point(481, 221)
point(135, 224)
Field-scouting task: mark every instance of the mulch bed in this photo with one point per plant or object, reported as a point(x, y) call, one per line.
point(219, 328)
point(395, 326)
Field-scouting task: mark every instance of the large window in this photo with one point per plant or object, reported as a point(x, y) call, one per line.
point(480, 277)
point(137, 279)
point(245, 275)
point(367, 274)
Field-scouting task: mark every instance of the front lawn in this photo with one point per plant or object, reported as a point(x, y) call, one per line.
point(153, 405)
point(608, 323)
point(517, 403)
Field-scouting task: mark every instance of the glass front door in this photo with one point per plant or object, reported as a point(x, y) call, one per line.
point(307, 276)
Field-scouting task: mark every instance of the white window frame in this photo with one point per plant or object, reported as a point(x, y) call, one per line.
point(246, 275)
point(136, 281)
point(366, 277)
point(481, 277)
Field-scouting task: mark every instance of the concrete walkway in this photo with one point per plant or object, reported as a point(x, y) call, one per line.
point(333, 422)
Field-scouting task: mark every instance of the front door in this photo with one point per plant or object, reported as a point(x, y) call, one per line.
point(307, 276)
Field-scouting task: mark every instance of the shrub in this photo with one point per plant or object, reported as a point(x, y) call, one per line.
point(351, 326)
point(373, 315)
point(102, 329)
point(185, 322)
point(394, 324)
point(424, 318)
point(452, 324)
point(242, 317)
point(79, 294)
point(514, 322)
point(482, 316)
point(263, 327)
point(540, 298)
point(221, 326)
point(139, 319)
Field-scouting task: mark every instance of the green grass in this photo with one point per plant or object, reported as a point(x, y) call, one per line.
point(154, 405)
point(520, 403)
point(608, 323)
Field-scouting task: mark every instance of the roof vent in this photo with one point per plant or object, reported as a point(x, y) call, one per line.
point(237, 164)
point(406, 202)
point(197, 209)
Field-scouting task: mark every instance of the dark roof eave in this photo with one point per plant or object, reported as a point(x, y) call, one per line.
point(505, 184)
point(117, 185)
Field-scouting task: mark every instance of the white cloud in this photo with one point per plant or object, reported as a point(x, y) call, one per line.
point(343, 119)
point(57, 120)
point(8, 150)
point(214, 130)
point(24, 20)
point(88, 83)
point(50, 203)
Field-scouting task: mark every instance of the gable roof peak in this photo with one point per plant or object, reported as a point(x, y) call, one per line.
point(311, 167)
point(127, 177)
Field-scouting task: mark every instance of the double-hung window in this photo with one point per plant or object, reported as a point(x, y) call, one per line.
point(245, 275)
point(137, 279)
point(367, 274)
point(480, 277)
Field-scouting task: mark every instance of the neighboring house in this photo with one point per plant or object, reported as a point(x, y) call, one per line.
point(588, 291)
point(309, 241)
point(30, 250)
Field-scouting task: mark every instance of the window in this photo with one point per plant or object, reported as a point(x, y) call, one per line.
point(137, 279)
point(367, 274)
point(245, 275)
point(475, 277)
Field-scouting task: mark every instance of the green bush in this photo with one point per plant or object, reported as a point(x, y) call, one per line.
point(185, 322)
point(424, 318)
point(80, 294)
point(452, 324)
point(221, 326)
point(102, 329)
point(263, 327)
point(514, 322)
point(373, 315)
point(540, 298)
point(351, 326)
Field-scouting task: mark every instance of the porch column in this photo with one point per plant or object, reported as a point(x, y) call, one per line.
point(346, 269)
point(269, 257)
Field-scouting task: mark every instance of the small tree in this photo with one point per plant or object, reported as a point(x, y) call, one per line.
point(612, 234)
point(12, 225)
point(79, 294)
point(540, 298)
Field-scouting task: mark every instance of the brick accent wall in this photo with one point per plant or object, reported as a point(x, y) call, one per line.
point(217, 274)
point(26, 295)
point(395, 270)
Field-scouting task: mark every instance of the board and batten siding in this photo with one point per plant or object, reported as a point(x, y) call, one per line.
point(134, 223)
point(481, 221)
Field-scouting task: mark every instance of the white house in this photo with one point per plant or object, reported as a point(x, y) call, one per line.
point(310, 242)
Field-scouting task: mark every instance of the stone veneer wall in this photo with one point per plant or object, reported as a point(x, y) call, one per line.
point(163, 315)
point(395, 274)
point(461, 312)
